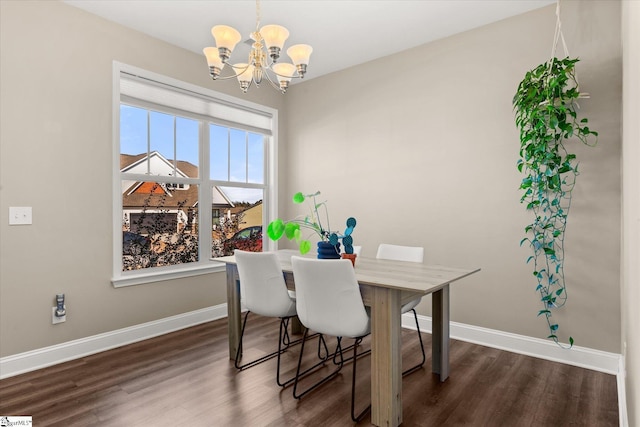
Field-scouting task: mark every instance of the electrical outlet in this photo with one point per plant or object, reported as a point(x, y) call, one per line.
point(55, 319)
point(20, 215)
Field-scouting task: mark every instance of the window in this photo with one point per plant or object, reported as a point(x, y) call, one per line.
point(179, 147)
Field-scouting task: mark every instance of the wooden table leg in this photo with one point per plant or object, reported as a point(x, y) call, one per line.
point(440, 343)
point(233, 309)
point(296, 326)
point(386, 361)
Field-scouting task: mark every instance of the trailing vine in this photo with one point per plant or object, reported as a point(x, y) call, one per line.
point(546, 115)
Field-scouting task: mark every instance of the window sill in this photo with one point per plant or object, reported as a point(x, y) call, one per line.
point(140, 278)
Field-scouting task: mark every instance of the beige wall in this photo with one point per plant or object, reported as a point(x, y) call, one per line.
point(431, 131)
point(440, 144)
point(631, 208)
point(55, 155)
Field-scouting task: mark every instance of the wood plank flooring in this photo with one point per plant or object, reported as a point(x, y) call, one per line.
point(186, 379)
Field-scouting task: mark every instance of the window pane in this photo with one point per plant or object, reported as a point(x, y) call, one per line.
point(162, 141)
point(159, 225)
point(187, 137)
point(256, 159)
point(238, 156)
point(239, 225)
point(161, 144)
point(219, 152)
point(133, 130)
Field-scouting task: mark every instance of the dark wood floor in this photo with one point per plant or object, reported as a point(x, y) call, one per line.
point(186, 379)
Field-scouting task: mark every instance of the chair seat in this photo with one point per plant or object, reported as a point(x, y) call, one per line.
point(410, 305)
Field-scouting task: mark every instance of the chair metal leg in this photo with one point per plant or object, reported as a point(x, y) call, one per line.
point(304, 373)
point(322, 344)
point(352, 346)
point(284, 339)
point(338, 360)
point(419, 365)
point(365, 411)
point(284, 342)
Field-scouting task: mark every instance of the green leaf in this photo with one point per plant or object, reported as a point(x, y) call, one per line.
point(275, 229)
point(298, 197)
point(305, 246)
point(553, 327)
point(291, 229)
point(571, 341)
point(543, 312)
point(565, 169)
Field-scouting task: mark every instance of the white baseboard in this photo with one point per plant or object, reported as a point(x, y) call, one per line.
point(610, 363)
point(544, 349)
point(48, 356)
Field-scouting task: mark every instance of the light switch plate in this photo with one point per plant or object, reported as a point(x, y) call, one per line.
point(20, 215)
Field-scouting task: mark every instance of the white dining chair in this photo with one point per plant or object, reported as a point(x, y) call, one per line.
point(409, 254)
point(264, 292)
point(329, 302)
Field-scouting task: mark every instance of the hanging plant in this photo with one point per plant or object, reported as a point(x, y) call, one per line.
point(546, 115)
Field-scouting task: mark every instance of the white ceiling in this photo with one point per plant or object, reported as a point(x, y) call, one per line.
point(343, 33)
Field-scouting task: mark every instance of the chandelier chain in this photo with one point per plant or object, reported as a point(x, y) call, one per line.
point(258, 15)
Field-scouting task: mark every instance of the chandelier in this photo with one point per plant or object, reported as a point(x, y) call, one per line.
point(268, 41)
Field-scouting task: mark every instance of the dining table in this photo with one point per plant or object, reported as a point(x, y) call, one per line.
point(385, 286)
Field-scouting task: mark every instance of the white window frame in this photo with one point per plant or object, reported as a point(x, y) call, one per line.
point(206, 264)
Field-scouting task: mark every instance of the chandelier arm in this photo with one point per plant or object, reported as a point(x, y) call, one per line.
point(242, 69)
point(233, 76)
point(275, 86)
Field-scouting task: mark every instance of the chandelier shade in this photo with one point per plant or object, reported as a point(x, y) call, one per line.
point(267, 45)
point(225, 36)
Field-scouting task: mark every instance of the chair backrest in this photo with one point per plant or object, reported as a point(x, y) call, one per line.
point(286, 254)
point(328, 298)
point(400, 253)
point(262, 285)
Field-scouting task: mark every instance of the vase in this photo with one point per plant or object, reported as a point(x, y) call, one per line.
point(327, 251)
point(350, 257)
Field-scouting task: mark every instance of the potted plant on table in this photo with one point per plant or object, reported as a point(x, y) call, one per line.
point(329, 244)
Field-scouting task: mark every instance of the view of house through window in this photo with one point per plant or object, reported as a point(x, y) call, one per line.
point(164, 183)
